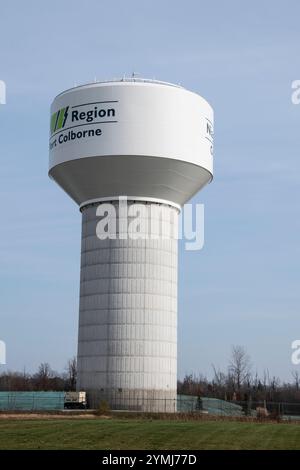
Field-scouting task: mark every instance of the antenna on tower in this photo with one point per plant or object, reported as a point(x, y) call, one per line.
point(135, 75)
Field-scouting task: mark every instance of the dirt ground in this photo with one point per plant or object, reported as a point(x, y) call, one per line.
point(45, 416)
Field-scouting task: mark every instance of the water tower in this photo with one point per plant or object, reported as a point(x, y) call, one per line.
point(150, 143)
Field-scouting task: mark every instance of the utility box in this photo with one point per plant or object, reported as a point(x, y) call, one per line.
point(75, 400)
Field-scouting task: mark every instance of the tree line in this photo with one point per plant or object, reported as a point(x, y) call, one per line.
point(239, 383)
point(45, 379)
point(236, 383)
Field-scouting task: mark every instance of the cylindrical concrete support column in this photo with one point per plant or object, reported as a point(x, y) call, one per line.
point(127, 348)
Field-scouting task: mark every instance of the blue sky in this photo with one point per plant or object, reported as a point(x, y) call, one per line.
point(243, 287)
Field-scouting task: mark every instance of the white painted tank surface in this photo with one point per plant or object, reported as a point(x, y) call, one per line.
point(150, 142)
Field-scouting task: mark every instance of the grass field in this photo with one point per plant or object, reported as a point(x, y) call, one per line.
point(145, 434)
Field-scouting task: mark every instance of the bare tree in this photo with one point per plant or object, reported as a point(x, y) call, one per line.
point(219, 377)
point(43, 376)
point(265, 379)
point(296, 378)
point(240, 366)
point(72, 372)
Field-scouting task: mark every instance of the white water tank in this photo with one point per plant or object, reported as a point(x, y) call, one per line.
point(151, 142)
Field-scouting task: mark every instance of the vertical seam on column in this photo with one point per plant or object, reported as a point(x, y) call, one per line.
point(144, 313)
point(79, 373)
point(108, 385)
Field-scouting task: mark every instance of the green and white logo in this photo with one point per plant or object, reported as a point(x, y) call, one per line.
point(65, 120)
point(58, 119)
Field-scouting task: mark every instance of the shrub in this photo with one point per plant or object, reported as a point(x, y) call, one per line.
point(103, 408)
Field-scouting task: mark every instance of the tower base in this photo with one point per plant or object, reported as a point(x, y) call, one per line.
point(147, 401)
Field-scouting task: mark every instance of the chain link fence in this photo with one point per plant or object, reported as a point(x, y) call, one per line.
point(258, 409)
point(31, 401)
point(39, 401)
